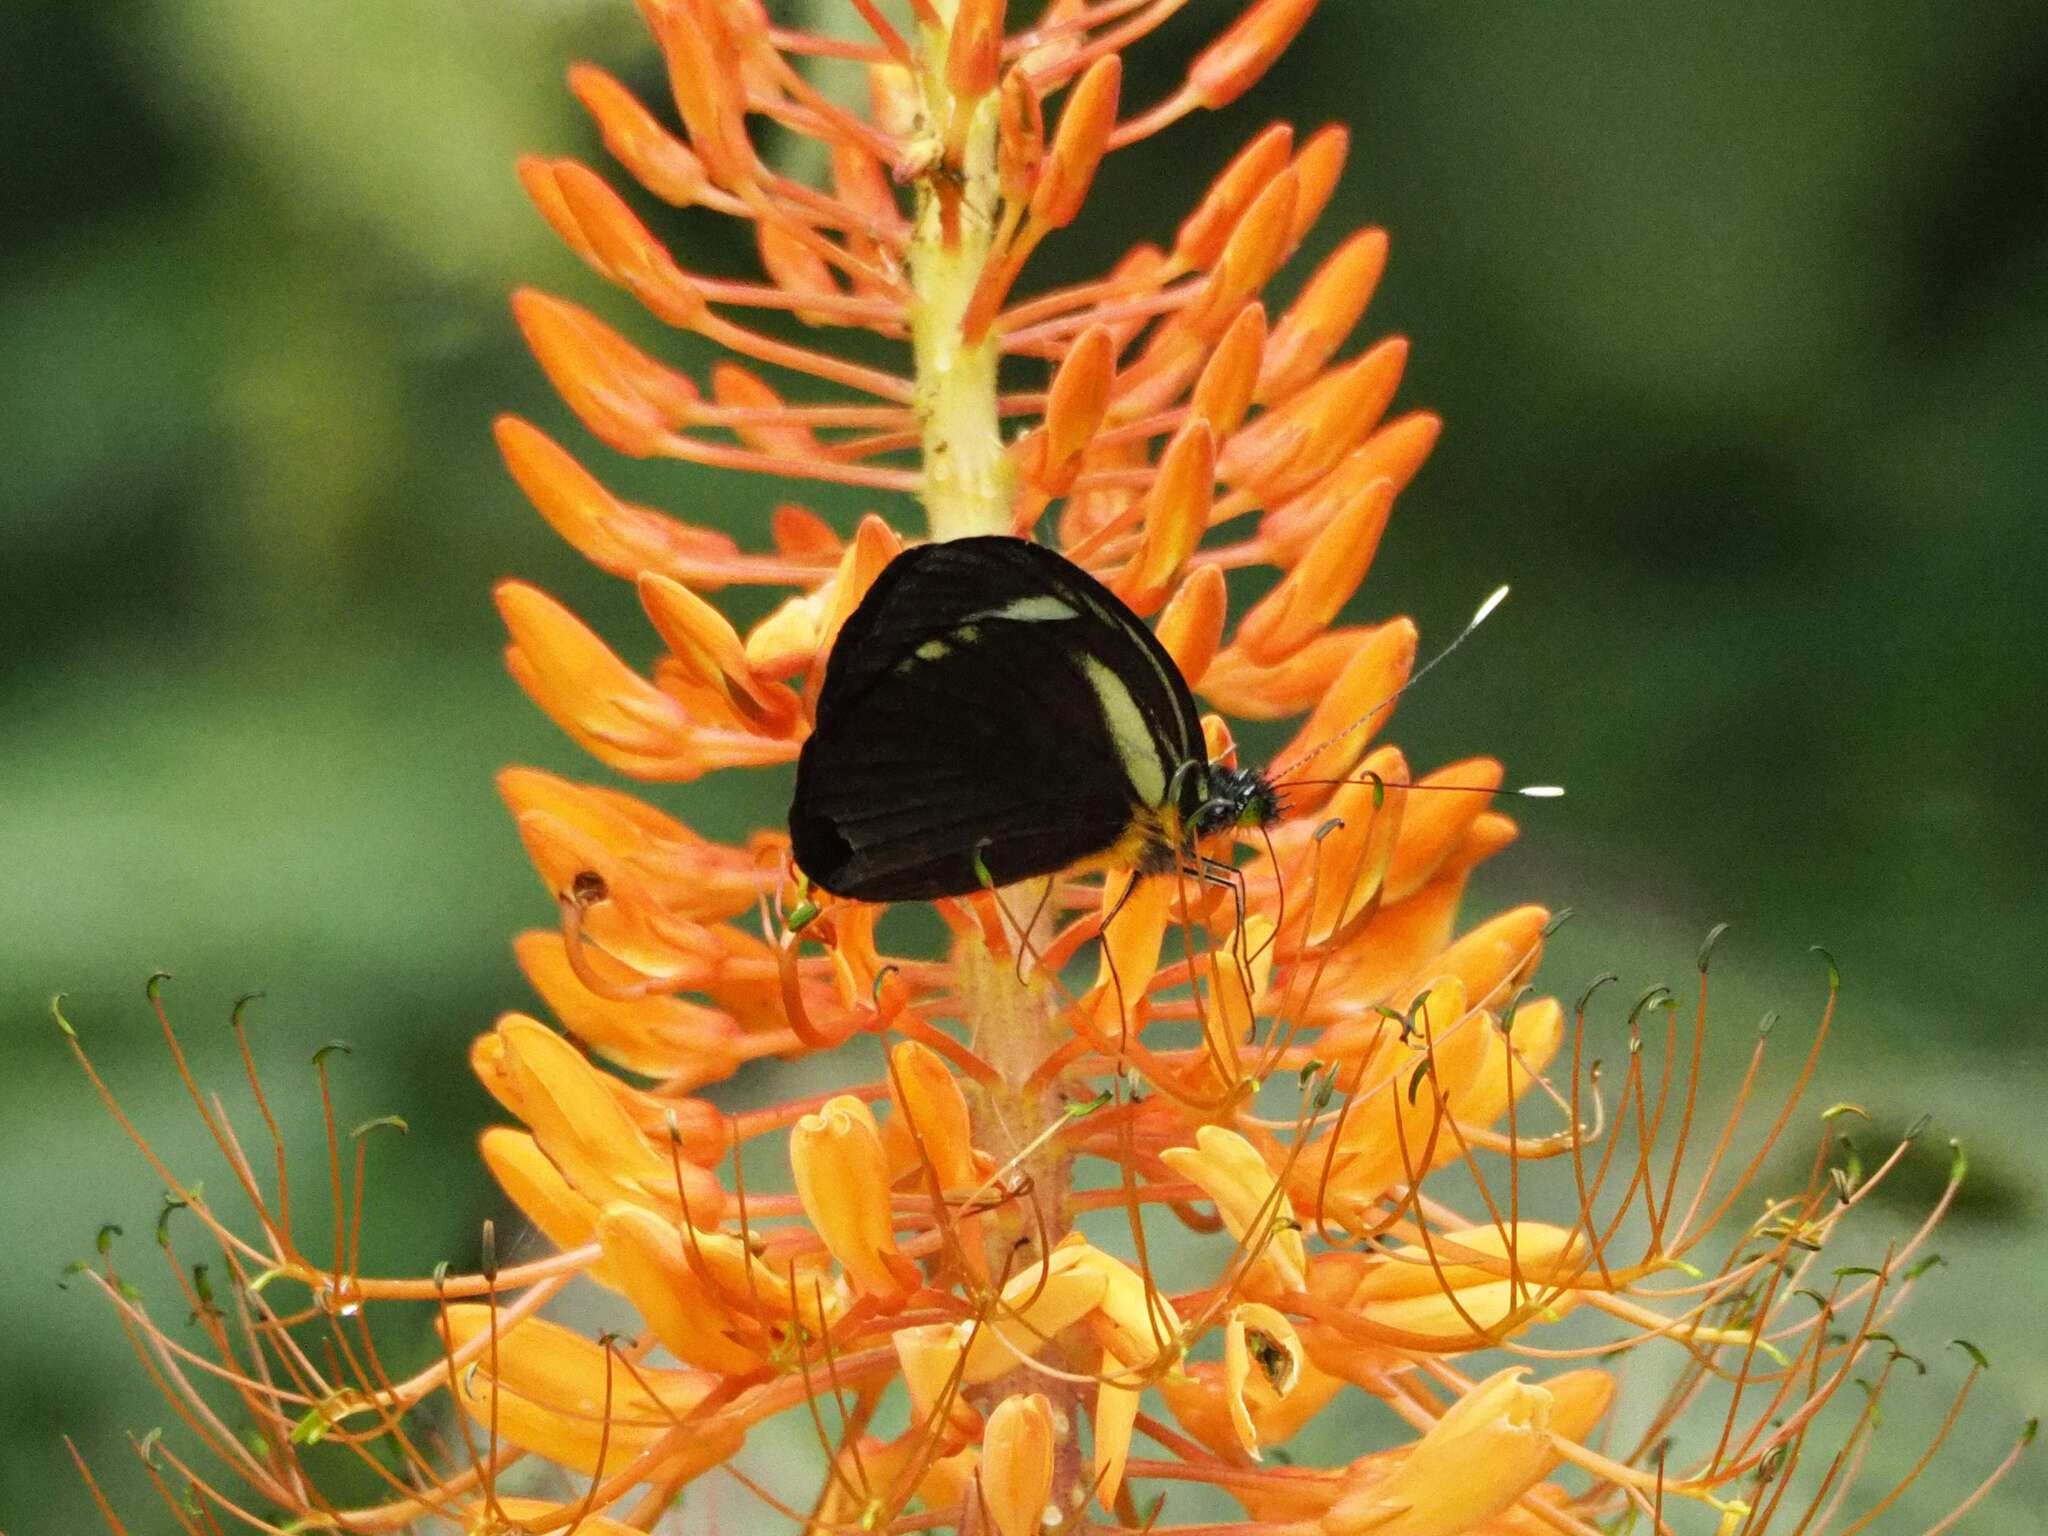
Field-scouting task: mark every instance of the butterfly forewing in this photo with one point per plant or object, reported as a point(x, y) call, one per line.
point(988, 707)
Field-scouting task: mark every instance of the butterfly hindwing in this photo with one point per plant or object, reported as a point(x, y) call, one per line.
point(988, 703)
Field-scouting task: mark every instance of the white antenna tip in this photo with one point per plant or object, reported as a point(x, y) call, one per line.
point(1500, 595)
point(1541, 791)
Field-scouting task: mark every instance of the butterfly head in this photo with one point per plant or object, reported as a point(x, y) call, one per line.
point(1238, 797)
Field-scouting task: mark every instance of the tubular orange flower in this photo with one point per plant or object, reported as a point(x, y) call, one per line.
point(1410, 1155)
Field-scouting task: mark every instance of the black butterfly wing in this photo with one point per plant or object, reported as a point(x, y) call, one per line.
point(987, 702)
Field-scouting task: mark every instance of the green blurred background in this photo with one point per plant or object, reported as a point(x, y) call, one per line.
point(1738, 315)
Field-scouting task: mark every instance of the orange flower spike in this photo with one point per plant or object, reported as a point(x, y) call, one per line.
point(651, 1260)
point(625, 251)
point(1310, 595)
point(612, 712)
point(1330, 304)
point(710, 651)
point(1229, 379)
point(545, 1389)
point(613, 535)
point(1229, 1170)
point(1191, 624)
point(1078, 145)
point(659, 161)
point(1494, 1444)
point(1017, 1464)
point(1176, 517)
point(842, 1178)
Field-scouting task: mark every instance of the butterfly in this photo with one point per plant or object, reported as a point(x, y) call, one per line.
point(991, 712)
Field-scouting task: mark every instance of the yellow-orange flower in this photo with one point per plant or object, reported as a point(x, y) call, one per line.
point(1290, 1063)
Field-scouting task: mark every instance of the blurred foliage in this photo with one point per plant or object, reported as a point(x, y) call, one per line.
point(1738, 315)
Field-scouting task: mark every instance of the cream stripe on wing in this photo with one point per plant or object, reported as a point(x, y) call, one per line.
point(1127, 728)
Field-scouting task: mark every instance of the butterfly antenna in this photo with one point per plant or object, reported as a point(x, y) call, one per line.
point(1479, 617)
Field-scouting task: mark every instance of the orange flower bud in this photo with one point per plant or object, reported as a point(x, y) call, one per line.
point(1288, 448)
point(576, 1117)
point(1350, 861)
point(544, 1389)
point(1498, 956)
point(1393, 453)
point(1229, 1170)
point(1231, 65)
point(1321, 318)
point(842, 1177)
point(533, 1183)
point(620, 393)
point(1176, 517)
point(1203, 233)
point(796, 268)
point(1254, 252)
point(652, 1261)
point(1339, 729)
point(974, 50)
point(613, 535)
point(1309, 596)
point(1437, 822)
point(1020, 139)
point(1319, 165)
point(1017, 1464)
point(572, 675)
point(928, 1098)
point(659, 161)
point(684, 1044)
point(1191, 624)
point(738, 389)
point(624, 250)
point(1429, 1294)
point(1078, 144)
point(1224, 392)
point(1492, 1446)
point(706, 81)
point(1074, 408)
point(708, 650)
